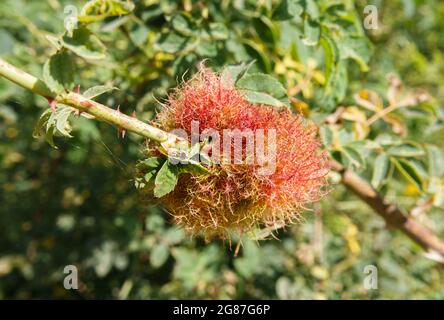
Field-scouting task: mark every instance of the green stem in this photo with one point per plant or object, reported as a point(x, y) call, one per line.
point(114, 117)
point(24, 79)
point(100, 111)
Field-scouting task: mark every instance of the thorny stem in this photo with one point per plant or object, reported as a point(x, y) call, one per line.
point(390, 212)
point(75, 100)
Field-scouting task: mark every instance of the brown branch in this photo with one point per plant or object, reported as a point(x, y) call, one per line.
point(390, 212)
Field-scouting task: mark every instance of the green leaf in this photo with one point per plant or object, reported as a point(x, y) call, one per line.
point(262, 98)
point(159, 255)
point(387, 140)
point(147, 170)
point(262, 83)
point(231, 74)
point(380, 170)
point(85, 44)
point(312, 32)
point(58, 72)
point(98, 10)
point(288, 9)
point(193, 168)
point(55, 42)
point(173, 236)
point(151, 163)
point(7, 41)
point(41, 123)
point(96, 91)
point(149, 176)
point(182, 23)
point(406, 150)
point(61, 120)
point(410, 171)
point(49, 136)
point(171, 42)
point(54, 123)
point(335, 72)
point(250, 263)
point(207, 49)
point(139, 34)
point(326, 135)
point(166, 180)
point(436, 161)
point(218, 31)
point(254, 51)
point(331, 53)
point(355, 158)
point(357, 49)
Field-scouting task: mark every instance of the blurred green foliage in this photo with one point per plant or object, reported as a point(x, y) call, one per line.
point(78, 205)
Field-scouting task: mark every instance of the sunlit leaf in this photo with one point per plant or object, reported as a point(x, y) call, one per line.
point(166, 179)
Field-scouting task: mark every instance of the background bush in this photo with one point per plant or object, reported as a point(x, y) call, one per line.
point(77, 204)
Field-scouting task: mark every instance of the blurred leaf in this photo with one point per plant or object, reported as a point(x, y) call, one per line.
point(159, 255)
point(355, 158)
point(326, 135)
point(171, 42)
point(312, 32)
point(183, 24)
point(288, 9)
point(250, 262)
point(139, 34)
point(98, 10)
point(380, 170)
point(7, 42)
point(207, 49)
point(406, 150)
point(436, 161)
point(356, 48)
point(218, 31)
point(85, 44)
point(174, 236)
point(410, 171)
point(331, 55)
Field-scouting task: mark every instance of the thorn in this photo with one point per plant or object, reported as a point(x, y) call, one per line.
point(121, 133)
point(134, 114)
point(52, 103)
point(78, 113)
point(86, 104)
point(77, 89)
